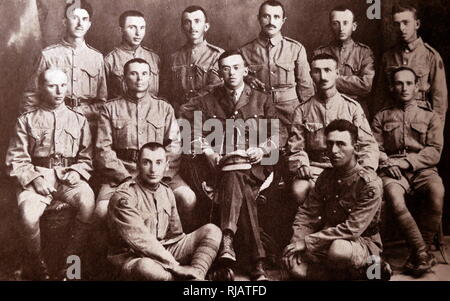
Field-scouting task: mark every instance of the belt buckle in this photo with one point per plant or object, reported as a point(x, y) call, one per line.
point(56, 160)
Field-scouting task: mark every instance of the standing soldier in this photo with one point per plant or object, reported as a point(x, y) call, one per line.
point(278, 65)
point(355, 60)
point(193, 68)
point(132, 25)
point(411, 51)
point(125, 125)
point(83, 65)
point(50, 156)
point(411, 140)
point(306, 146)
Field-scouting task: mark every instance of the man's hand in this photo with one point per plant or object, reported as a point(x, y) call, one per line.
point(71, 178)
point(289, 261)
point(255, 154)
point(304, 172)
point(295, 247)
point(393, 172)
point(186, 272)
point(255, 83)
point(43, 187)
point(401, 163)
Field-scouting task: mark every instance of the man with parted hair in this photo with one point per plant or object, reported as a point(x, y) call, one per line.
point(306, 147)
point(355, 59)
point(411, 139)
point(126, 124)
point(84, 66)
point(50, 157)
point(147, 238)
point(237, 163)
point(192, 70)
point(133, 27)
point(336, 230)
point(411, 51)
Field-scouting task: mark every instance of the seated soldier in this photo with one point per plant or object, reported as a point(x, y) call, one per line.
point(240, 171)
point(50, 156)
point(336, 228)
point(146, 237)
point(410, 138)
point(306, 145)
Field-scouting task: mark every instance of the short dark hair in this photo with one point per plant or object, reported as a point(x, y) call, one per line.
point(193, 8)
point(129, 13)
point(325, 56)
point(135, 60)
point(272, 3)
point(150, 146)
point(403, 68)
point(83, 4)
point(342, 8)
point(343, 125)
point(230, 53)
point(404, 7)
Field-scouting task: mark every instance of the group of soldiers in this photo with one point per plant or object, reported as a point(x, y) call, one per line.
point(87, 115)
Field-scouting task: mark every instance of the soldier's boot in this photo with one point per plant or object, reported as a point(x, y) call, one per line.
point(227, 254)
point(76, 246)
point(420, 264)
point(259, 272)
point(35, 267)
point(429, 227)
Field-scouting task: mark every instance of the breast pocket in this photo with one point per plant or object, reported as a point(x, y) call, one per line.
point(257, 70)
point(155, 130)
point(314, 136)
point(179, 76)
point(89, 82)
point(423, 73)
point(72, 142)
point(349, 69)
point(285, 73)
point(200, 76)
point(163, 221)
point(154, 79)
point(419, 132)
point(40, 141)
point(121, 132)
point(391, 136)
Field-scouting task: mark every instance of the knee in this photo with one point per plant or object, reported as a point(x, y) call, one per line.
point(101, 209)
point(340, 251)
point(29, 214)
point(147, 269)
point(212, 232)
point(186, 198)
point(300, 190)
point(437, 192)
point(395, 195)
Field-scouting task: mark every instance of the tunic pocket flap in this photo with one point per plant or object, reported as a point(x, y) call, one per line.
point(390, 126)
point(419, 126)
point(313, 126)
point(285, 66)
point(156, 123)
point(73, 132)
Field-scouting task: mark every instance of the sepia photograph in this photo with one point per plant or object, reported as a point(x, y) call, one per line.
point(224, 141)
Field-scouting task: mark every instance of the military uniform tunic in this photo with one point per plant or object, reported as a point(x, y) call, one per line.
point(356, 67)
point(307, 145)
point(85, 70)
point(342, 206)
point(116, 60)
point(428, 65)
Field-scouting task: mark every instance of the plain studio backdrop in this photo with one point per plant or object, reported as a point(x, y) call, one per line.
point(30, 25)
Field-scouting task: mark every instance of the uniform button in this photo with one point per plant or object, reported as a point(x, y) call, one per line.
point(334, 211)
point(272, 88)
point(337, 196)
point(273, 72)
point(214, 116)
point(349, 210)
point(140, 133)
point(192, 65)
point(191, 91)
point(236, 112)
point(74, 79)
point(404, 63)
point(339, 181)
point(190, 77)
point(319, 217)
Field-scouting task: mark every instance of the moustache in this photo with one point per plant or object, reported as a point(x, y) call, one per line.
point(270, 26)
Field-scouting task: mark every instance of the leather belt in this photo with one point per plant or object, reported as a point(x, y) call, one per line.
point(130, 155)
point(53, 161)
point(76, 102)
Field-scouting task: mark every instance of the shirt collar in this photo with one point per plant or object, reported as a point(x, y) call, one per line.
point(348, 176)
point(197, 47)
point(347, 44)
point(59, 109)
point(238, 91)
point(273, 41)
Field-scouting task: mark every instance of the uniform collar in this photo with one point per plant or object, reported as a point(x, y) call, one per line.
point(146, 187)
point(348, 176)
point(413, 45)
point(346, 45)
point(238, 91)
point(137, 100)
point(128, 48)
point(67, 44)
point(194, 48)
point(330, 100)
point(273, 41)
point(59, 109)
point(410, 105)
